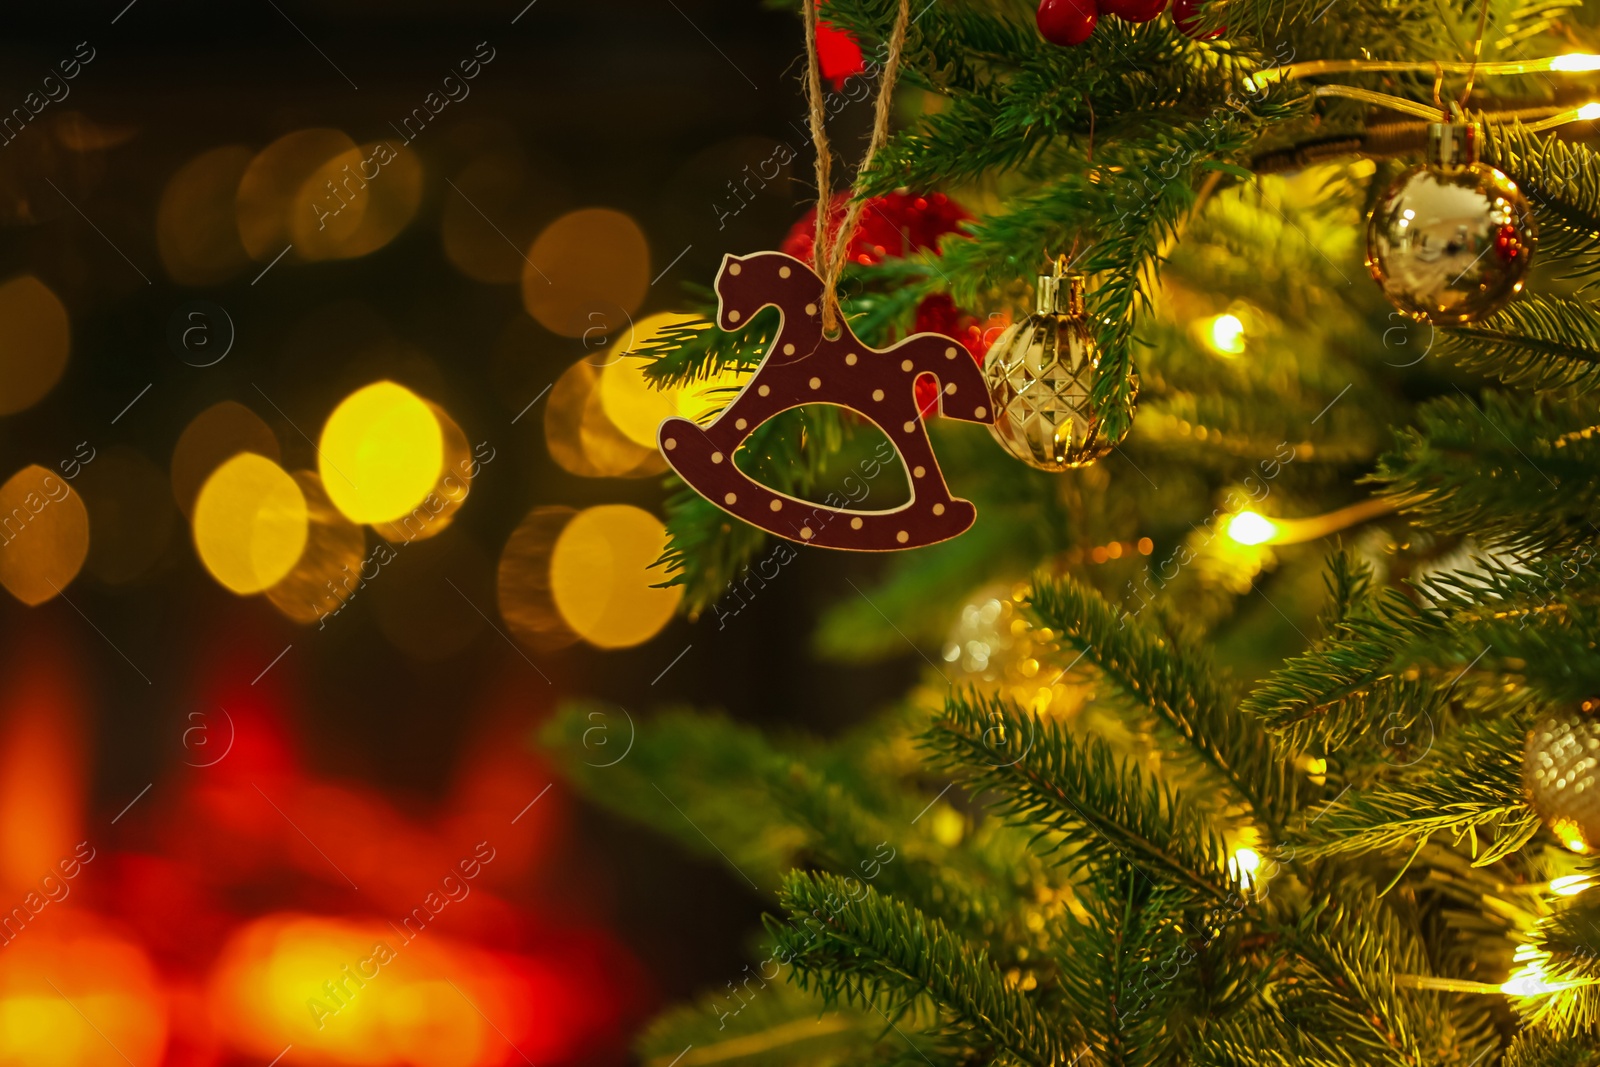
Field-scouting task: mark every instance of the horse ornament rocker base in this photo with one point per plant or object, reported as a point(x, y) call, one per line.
point(805, 367)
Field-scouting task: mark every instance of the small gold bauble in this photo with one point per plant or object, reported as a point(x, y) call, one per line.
point(994, 647)
point(1561, 773)
point(1451, 240)
point(1041, 374)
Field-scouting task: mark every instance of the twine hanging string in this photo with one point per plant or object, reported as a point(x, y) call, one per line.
point(829, 259)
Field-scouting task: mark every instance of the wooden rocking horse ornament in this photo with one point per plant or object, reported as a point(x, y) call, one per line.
point(805, 367)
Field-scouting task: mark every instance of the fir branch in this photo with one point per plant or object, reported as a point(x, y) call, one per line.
point(695, 351)
point(1561, 178)
point(1367, 643)
point(1337, 690)
point(1349, 1006)
point(717, 777)
point(1504, 471)
point(1363, 677)
point(1180, 687)
point(1535, 343)
point(1569, 944)
point(1572, 938)
point(1349, 582)
point(1122, 1005)
point(706, 551)
point(876, 952)
point(1536, 1048)
point(1105, 813)
point(1469, 784)
point(779, 1025)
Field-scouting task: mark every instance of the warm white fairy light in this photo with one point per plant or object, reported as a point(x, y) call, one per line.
point(1577, 62)
point(1529, 980)
point(1571, 885)
point(1227, 335)
point(1249, 528)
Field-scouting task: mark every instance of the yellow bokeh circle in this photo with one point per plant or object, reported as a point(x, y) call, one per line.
point(586, 273)
point(381, 453)
point(250, 523)
point(44, 534)
point(631, 401)
point(600, 576)
point(635, 405)
point(34, 339)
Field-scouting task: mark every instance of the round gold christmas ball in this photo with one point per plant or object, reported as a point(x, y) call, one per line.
point(1041, 374)
point(1451, 240)
point(1561, 774)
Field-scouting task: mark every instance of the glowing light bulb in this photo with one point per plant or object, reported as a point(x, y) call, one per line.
point(1317, 765)
point(1571, 885)
point(1589, 111)
point(1246, 862)
point(1227, 335)
point(1577, 61)
point(1530, 981)
point(1248, 528)
point(1571, 835)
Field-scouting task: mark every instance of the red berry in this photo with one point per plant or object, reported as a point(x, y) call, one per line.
point(1186, 13)
point(1133, 10)
point(1066, 22)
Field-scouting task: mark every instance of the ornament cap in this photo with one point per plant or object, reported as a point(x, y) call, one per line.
point(1060, 293)
point(1452, 144)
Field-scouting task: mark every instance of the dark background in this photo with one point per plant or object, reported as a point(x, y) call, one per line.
point(647, 107)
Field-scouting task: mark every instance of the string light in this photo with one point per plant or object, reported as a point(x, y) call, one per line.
point(1530, 981)
point(1571, 63)
point(1249, 528)
point(1112, 550)
point(1227, 335)
point(1571, 885)
point(1575, 62)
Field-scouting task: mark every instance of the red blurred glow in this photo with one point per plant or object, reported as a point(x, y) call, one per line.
point(221, 909)
point(41, 765)
point(838, 53)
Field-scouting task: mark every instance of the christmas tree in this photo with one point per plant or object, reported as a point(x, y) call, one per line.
point(1259, 727)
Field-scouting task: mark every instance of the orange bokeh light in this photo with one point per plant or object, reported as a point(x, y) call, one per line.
point(75, 995)
point(357, 992)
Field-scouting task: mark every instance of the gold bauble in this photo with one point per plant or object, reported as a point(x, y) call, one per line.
point(1451, 240)
point(1041, 374)
point(1561, 773)
point(993, 647)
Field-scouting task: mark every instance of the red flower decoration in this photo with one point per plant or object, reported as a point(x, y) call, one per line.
point(838, 53)
point(893, 227)
point(890, 227)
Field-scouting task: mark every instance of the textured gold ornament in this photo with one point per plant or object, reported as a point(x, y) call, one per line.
point(1041, 374)
point(1451, 240)
point(994, 647)
point(1561, 773)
